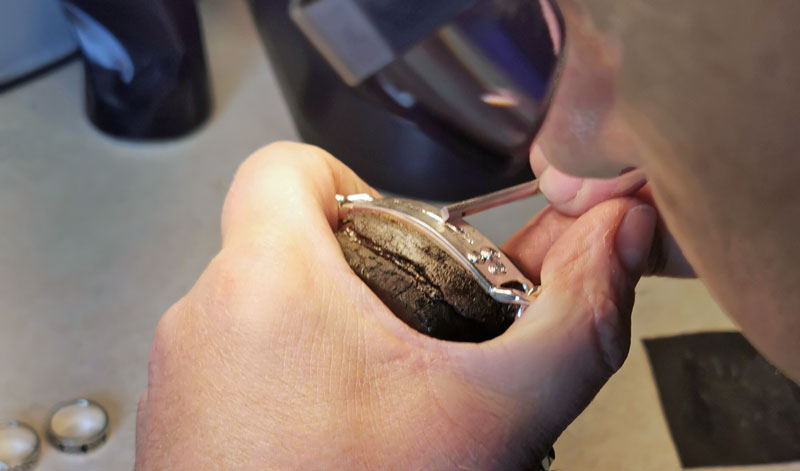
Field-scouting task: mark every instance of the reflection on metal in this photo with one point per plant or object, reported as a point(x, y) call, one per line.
point(501, 280)
point(554, 25)
point(487, 77)
point(483, 76)
point(501, 99)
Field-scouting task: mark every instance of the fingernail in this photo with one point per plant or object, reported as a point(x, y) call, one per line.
point(635, 238)
point(629, 182)
point(538, 161)
point(560, 188)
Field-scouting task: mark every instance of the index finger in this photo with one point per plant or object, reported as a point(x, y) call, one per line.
point(575, 195)
point(287, 185)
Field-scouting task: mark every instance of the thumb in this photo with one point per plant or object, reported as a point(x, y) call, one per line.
point(573, 195)
point(576, 334)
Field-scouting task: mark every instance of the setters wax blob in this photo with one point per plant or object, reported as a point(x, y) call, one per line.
point(442, 278)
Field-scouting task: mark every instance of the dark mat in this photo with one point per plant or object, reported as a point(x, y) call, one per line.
point(725, 405)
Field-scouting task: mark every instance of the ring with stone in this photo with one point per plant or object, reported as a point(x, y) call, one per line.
point(77, 426)
point(19, 447)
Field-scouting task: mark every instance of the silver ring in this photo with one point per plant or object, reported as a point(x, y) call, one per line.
point(77, 426)
point(19, 447)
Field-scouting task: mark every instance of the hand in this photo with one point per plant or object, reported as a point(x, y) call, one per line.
point(281, 358)
point(573, 196)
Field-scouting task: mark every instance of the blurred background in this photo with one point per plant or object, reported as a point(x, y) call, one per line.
point(105, 222)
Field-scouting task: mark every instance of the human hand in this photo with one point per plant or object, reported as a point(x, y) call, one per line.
point(280, 357)
point(573, 196)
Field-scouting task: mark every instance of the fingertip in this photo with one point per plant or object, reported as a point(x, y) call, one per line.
point(575, 195)
point(634, 239)
point(560, 189)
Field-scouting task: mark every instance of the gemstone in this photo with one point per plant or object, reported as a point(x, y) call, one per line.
point(488, 254)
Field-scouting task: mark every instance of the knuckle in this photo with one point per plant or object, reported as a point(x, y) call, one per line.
point(275, 152)
point(239, 281)
point(286, 154)
point(142, 403)
point(166, 330)
point(231, 276)
point(275, 161)
point(209, 315)
point(280, 175)
point(242, 290)
point(165, 340)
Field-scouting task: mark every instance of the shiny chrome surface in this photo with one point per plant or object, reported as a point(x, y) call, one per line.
point(495, 273)
point(360, 37)
point(483, 77)
point(492, 200)
point(487, 76)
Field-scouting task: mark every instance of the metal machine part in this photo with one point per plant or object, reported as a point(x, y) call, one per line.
point(19, 447)
point(77, 426)
point(481, 72)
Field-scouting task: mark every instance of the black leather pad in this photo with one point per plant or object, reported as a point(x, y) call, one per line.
point(724, 403)
point(420, 283)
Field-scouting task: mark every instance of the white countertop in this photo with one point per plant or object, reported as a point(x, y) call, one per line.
point(98, 237)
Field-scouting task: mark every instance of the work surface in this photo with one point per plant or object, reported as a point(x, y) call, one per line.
point(99, 237)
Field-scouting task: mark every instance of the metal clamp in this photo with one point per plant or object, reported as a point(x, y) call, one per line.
point(495, 273)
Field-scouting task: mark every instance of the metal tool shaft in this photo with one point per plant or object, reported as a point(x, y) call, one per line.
point(492, 200)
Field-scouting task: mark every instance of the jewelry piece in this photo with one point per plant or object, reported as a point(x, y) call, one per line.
point(416, 245)
point(493, 271)
point(19, 447)
point(435, 272)
point(77, 426)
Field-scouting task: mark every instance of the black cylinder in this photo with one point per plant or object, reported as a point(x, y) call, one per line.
point(146, 73)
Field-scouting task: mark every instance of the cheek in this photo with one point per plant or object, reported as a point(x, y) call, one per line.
point(584, 134)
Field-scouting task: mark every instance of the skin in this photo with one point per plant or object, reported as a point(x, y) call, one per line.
point(281, 358)
point(702, 98)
